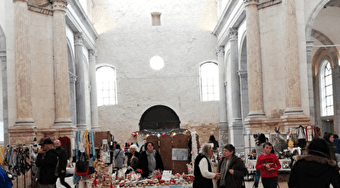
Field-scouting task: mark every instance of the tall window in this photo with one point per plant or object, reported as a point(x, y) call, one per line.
point(209, 82)
point(326, 89)
point(106, 85)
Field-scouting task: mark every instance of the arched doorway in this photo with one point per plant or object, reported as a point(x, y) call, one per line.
point(159, 117)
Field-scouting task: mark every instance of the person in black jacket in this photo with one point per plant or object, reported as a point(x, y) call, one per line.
point(62, 163)
point(315, 169)
point(203, 170)
point(47, 160)
point(232, 169)
point(150, 160)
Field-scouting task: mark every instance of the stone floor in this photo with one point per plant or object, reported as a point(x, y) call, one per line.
point(249, 184)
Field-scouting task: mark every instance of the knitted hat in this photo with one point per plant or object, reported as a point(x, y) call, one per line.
point(318, 147)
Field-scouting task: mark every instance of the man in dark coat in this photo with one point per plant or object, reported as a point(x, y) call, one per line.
point(62, 163)
point(47, 160)
point(232, 169)
point(150, 160)
point(315, 169)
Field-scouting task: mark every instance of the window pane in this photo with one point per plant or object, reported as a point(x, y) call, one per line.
point(209, 82)
point(106, 89)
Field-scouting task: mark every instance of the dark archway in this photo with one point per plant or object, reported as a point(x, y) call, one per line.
point(159, 117)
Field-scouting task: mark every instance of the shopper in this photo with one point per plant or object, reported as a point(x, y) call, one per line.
point(150, 160)
point(203, 173)
point(47, 161)
point(259, 150)
point(329, 139)
point(118, 155)
point(62, 163)
point(231, 168)
point(269, 164)
point(214, 141)
point(132, 157)
point(315, 169)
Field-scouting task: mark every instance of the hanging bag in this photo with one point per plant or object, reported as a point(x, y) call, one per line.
point(82, 165)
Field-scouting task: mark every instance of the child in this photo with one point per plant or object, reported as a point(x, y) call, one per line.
point(268, 164)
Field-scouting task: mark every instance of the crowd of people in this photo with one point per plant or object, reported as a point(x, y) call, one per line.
point(315, 168)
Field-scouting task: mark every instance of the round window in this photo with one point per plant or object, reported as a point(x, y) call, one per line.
point(156, 62)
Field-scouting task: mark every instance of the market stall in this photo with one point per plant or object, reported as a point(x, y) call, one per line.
point(285, 145)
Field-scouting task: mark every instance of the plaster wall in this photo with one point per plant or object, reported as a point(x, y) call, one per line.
point(127, 41)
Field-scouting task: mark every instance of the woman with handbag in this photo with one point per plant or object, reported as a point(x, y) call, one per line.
point(119, 156)
point(232, 169)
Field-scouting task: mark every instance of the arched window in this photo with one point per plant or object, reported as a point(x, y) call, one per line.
point(106, 85)
point(326, 89)
point(209, 81)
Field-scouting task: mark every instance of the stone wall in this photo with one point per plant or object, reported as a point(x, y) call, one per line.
point(127, 41)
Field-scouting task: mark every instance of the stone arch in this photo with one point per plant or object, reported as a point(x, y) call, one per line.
point(333, 51)
point(312, 18)
point(159, 117)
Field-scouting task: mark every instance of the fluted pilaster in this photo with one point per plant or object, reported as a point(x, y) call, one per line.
point(23, 72)
point(255, 85)
point(94, 100)
point(293, 83)
point(309, 46)
point(60, 62)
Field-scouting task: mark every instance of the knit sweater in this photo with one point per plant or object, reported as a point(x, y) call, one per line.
point(272, 160)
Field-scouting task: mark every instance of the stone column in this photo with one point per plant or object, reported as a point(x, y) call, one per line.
point(223, 124)
point(23, 72)
point(309, 46)
point(60, 62)
point(254, 61)
point(3, 61)
point(81, 85)
point(234, 101)
point(293, 89)
point(94, 100)
point(336, 96)
point(73, 103)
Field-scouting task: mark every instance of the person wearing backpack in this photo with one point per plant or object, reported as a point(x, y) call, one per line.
point(47, 161)
point(62, 163)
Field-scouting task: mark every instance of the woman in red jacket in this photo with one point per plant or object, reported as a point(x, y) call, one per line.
point(268, 164)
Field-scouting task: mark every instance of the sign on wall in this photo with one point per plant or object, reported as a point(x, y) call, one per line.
point(179, 154)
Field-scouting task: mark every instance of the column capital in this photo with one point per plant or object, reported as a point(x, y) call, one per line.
point(233, 33)
point(242, 73)
point(219, 51)
point(78, 39)
point(309, 46)
point(59, 5)
point(93, 55)
point(251, 2)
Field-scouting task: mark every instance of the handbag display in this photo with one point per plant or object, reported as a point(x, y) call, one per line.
point(82, 165)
